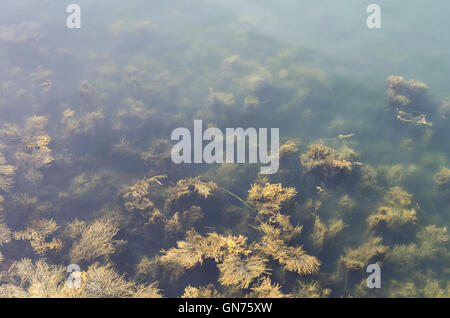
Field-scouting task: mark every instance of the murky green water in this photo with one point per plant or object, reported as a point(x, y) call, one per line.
point(87, 178)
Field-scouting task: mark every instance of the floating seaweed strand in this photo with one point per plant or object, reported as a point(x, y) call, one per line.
point(241, 200)
point(419, 119)
point(246, 204)
point(338, 137)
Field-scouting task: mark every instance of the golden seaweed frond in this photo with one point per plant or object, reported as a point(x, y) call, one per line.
point(123, 147)
point(82, 184)
point(318, 235)
point(188, 192)
point(442, 178)
point(433, 289)
point(6, 174)
point(157, 179)
point(312, 289)
point(136, 196)
point(444, 110)
point(219, 98)
point(279, 226)
point(156, 269)
point(34, 142)
point(293, 259)
point(334, 227)
point(288, 151)
point(155, 217)
point(147, 291)
point(39, 158)
point(403, 92)
point(369, 177)
point(217, 246)
point(289, 148)
point(433, 234)
point(75, 228)
point(188, 253)
point(131, 113)
point(404, 256)
point(204, 189)
point(403, 289)
point(432, 239)
point(37, 233)
point(302, 264)
point(35, 125)
point(430, 242)
point(325, 160)
point(241, 271)
point(394, 214)
point(5, 233)
point(38, 280)
point(358, 258)
point(404, 96)
point(269, 230)
point(208, 291)
point(270, 198)
point(8, 290)
point(187, 187)
point(288, 231)
point(11, 132)
point(396, 196)
point(82, 125)
point(392, 218)
point(265, 289)
point(173, 227)
point(259, 78)
point(158, 151)
point(6, 169)
point(96, 240)
point(195, 248)
point(396, 174)
point(251, 102)
point(86, 90)
point(102, 281)
point(192, 216)
point(143, 268)
point(236, 245)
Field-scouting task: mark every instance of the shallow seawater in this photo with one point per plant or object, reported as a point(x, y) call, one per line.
point(87, 176)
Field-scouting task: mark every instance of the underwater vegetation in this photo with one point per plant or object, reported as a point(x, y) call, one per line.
point(325, 160)
point(408, 98)
point(395, 214)
point(442, 178)
point(86, 175)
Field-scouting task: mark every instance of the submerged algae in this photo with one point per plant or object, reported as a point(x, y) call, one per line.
point(75, 176)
